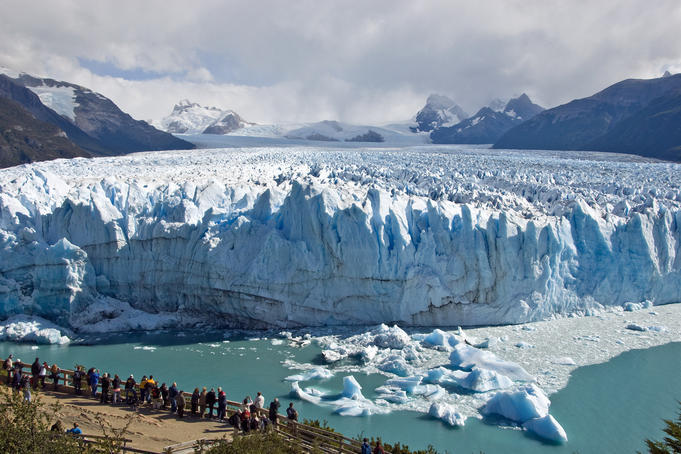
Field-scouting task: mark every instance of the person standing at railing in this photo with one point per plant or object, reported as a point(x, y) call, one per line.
point(78, 379)
point(202, 402)
point(156, 397)
point(130, 390)
point(116, 387)
point(378, 449)
point(222, 404)
point(180, 403)
point(8, 366)
point(42, 374)
point(35, 371)
point(143, 389)
point(151, 384)
point(25, 385)
point(106, 384)
point(54, 375)
point(164, 395)
point(291, 412)
point(172, 394)
point(259, 401)
point(274, 411)
point(94, 381)
point(210, 401)
point(195, 401)
point(366, 447)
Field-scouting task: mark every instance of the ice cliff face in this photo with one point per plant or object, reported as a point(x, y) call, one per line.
point(290, 237)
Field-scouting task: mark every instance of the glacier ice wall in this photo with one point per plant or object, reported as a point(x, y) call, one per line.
point(299, 237)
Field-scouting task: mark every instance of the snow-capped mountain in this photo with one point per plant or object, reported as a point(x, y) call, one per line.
point(90, 120)
point(192, 118)
point(438, 111)
point(489, 123)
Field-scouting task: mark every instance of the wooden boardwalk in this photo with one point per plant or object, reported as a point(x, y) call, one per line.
point(303, 435)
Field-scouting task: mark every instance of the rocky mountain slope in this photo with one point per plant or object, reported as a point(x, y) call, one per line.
point(595, 123)
point(91, 121)
point(24, 139)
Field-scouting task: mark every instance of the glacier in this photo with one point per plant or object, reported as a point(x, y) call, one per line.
point(309, 236)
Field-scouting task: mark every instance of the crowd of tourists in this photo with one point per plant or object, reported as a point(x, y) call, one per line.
point(251, 415)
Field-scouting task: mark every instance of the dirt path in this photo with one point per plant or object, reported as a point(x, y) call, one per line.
point(150, 429)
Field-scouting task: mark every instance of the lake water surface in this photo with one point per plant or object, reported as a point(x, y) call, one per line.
point(606, 408)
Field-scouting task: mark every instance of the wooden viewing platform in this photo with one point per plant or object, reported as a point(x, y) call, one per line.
point(304, 435)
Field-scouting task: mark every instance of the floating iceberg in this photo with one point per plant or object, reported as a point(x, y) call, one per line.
point(467, 357)
point(527, 403)
point(317, 373)
point(547, 427)
point(446, 413)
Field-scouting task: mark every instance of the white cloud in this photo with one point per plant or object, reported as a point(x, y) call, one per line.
point(350, 60)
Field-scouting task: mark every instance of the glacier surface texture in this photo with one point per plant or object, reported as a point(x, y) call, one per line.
point(304, 236)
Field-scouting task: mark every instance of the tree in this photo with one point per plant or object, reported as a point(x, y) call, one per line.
point(671, 443)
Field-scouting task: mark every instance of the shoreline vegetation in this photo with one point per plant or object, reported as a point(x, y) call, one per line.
point(140, 428)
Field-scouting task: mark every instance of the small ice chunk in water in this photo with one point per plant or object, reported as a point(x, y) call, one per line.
point(352, 389)
point(527, 403)
point(467, 357)
point(407, 383)
point(391, 337)
point(395, 365)
point(441, 339)
point(657, 328)
point(331, 356)
point(317, 373)
point(446, 413)
point(548, 428)
point(392, 394)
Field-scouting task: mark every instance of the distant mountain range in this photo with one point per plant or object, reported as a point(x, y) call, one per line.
point(438, 111)
point(488, 124)
point(92, 123)
point(638, 116)
point(192, 118)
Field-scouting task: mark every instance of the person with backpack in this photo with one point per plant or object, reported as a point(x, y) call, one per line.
point(151, 384)
point(210, 401)
point(8, 366)
point(130, 392)
point(78, 379)
point(291, 412)
point(156, 397)
point(366, 447)
point(106, 384)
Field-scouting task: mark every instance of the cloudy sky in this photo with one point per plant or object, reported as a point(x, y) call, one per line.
point(357, 61)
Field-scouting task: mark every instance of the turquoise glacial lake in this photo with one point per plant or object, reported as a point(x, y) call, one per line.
point(606, 408)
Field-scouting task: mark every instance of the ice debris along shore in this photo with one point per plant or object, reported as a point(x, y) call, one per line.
point(290, 237)
point(477, 372)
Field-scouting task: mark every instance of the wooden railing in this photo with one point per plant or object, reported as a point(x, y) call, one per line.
point(305, 435)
